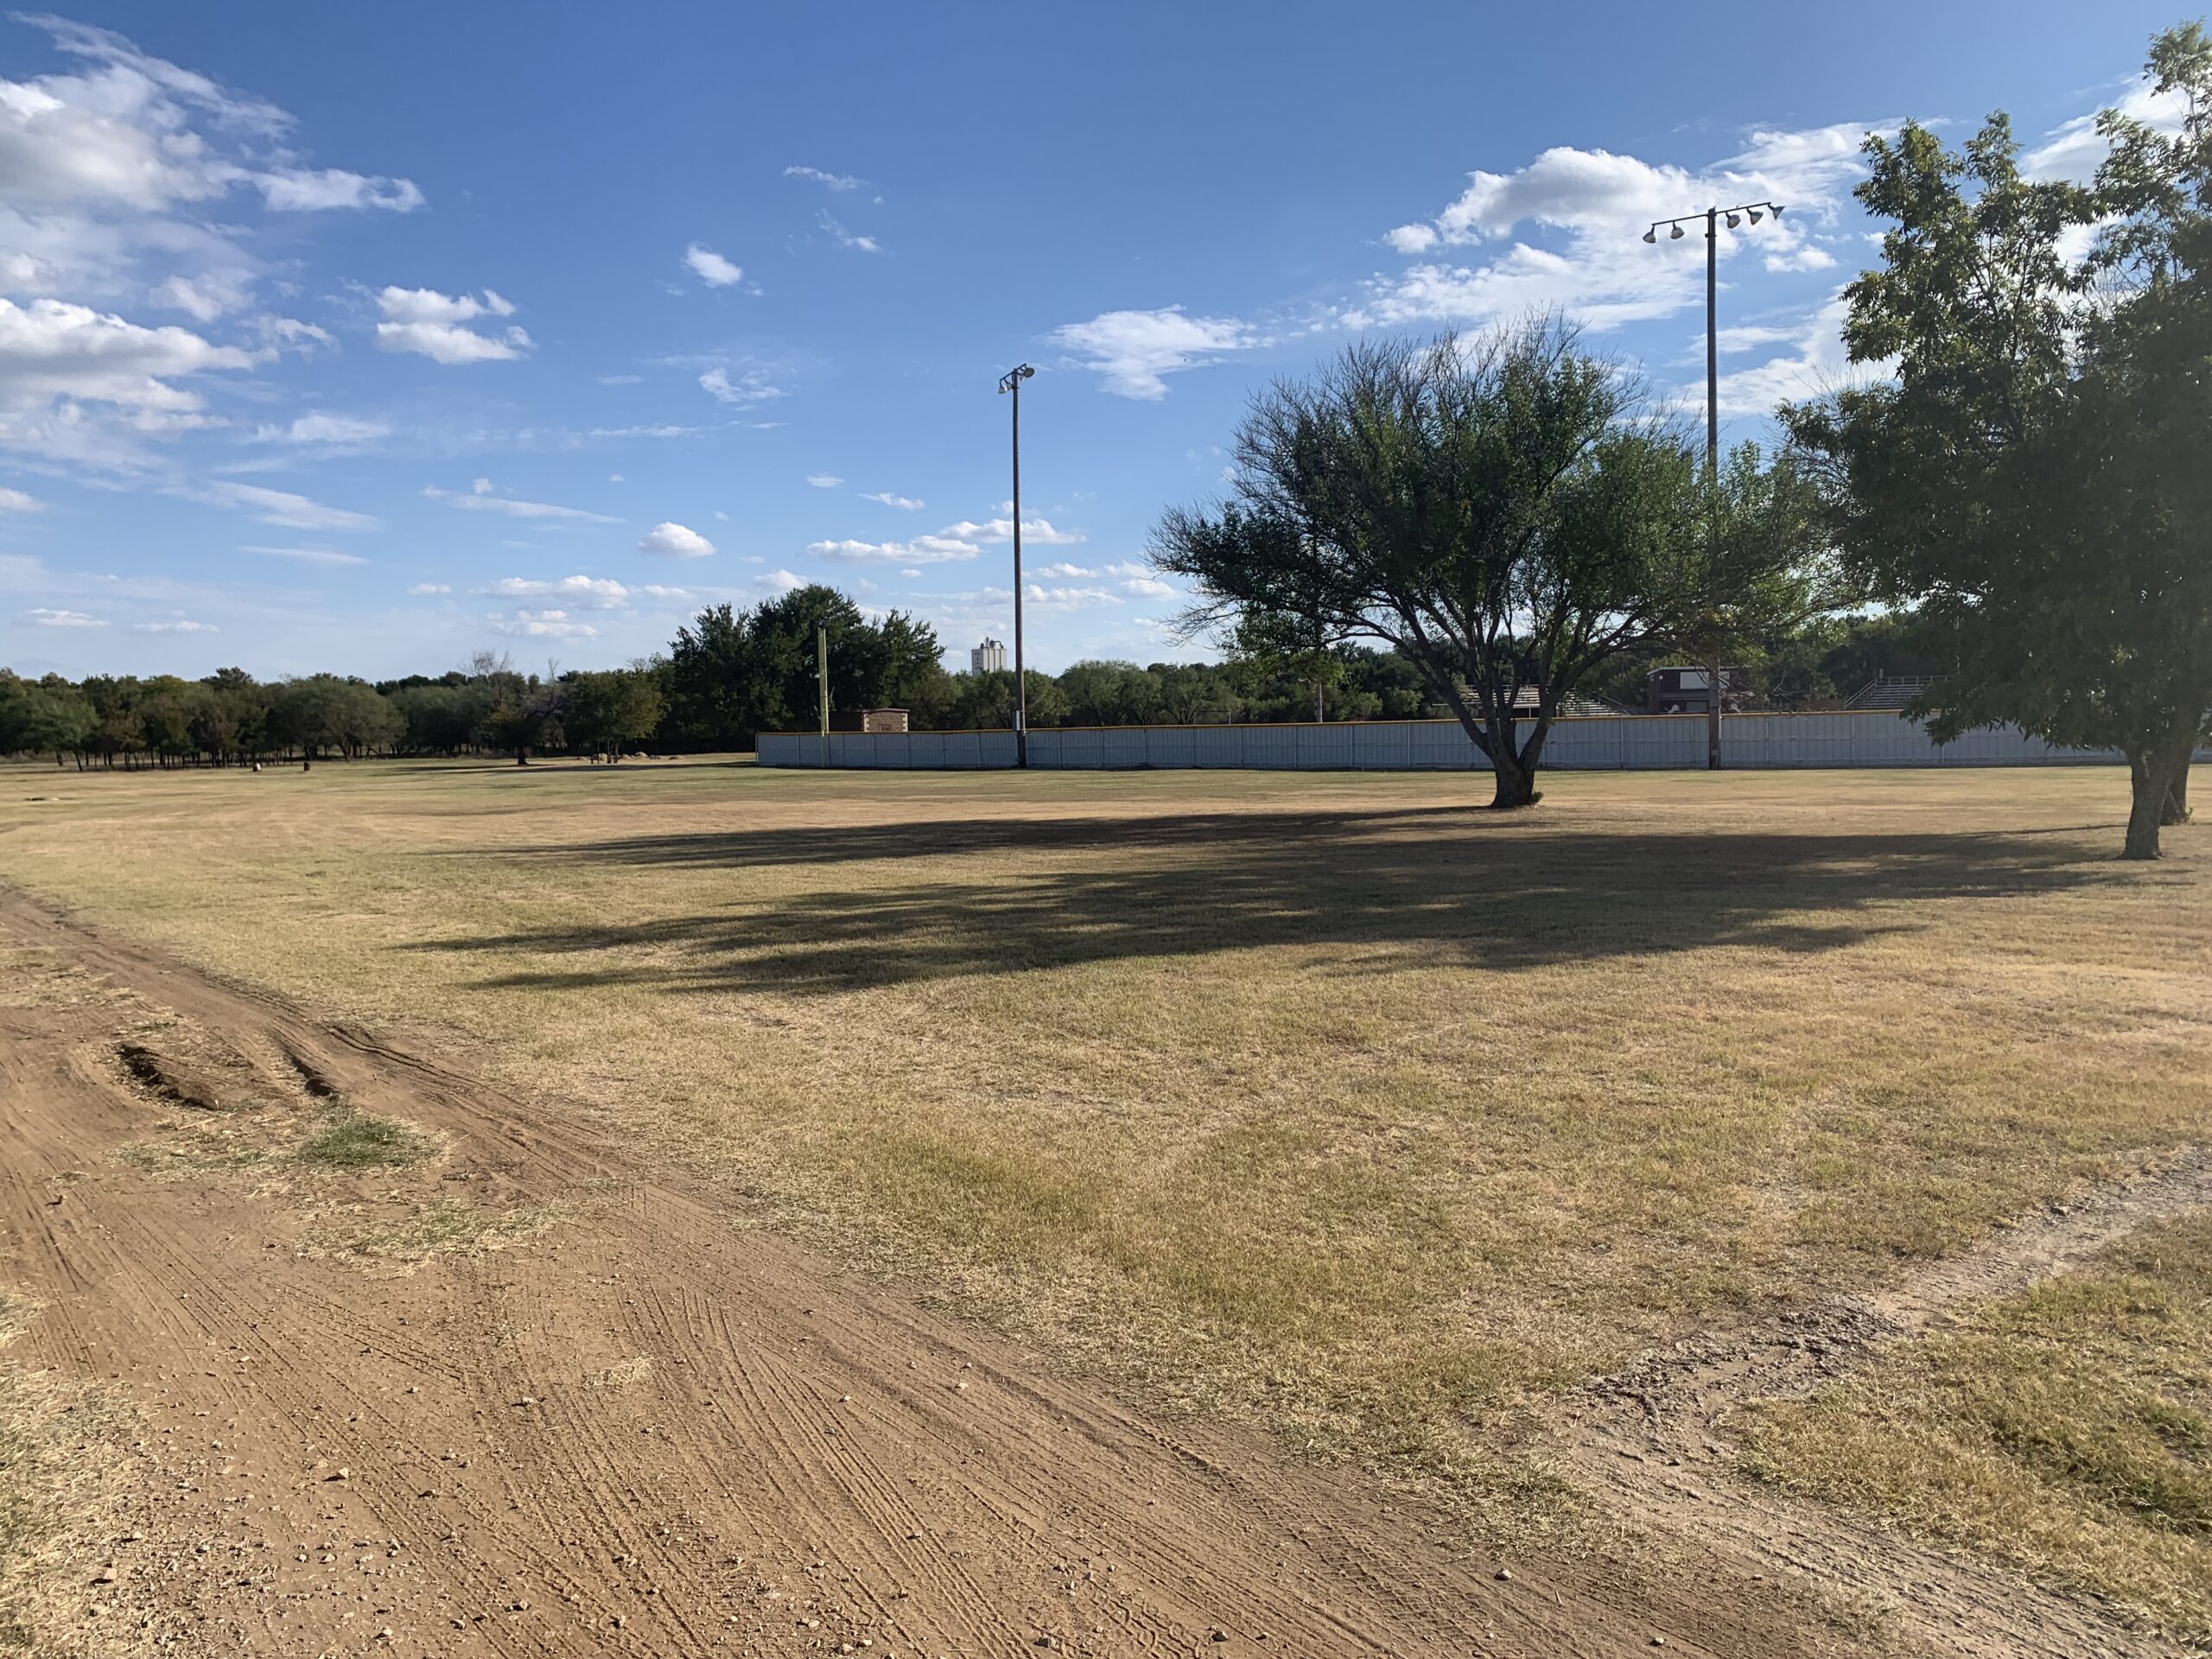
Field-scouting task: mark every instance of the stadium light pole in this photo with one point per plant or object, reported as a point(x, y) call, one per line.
point(1011, 381)
point(1755, 211)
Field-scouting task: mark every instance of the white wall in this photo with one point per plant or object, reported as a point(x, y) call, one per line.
point(1748, 742)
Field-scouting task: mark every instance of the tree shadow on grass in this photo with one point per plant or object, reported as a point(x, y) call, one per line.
point(1391, 888)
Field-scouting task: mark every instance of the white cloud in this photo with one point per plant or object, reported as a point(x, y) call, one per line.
point(2074, 149)
point(923, 550)
point(1066, 599)
point(845, 238)
point(17, 501)
point(584, 592)
point(1580, 215)
point(480, 499)
point(56, 357)
point(128, 177)
point(1134, 349)
point(542, 624)
point(425, 590)
point(838, 181)
point(825, 480)
point(904, 503)
point(50, 619)
point(325, 555)
point(177, 624)
point(1066, 572)
point(324, 429)
point(1038, 531)
point(302, 190)
point(291, 512)
point(781, 580)
point(203, 298)
point(711, 268)
point(423, 320)
point(658, 590)
point(1814, 363)
point(1152, 588)
point(751, 386)
point(676, 541)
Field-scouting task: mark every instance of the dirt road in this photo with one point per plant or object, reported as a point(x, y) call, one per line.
point(636, 1427)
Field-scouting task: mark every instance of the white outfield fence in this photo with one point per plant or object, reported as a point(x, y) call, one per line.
point(1598, 743)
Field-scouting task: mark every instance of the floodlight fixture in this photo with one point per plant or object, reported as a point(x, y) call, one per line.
point(1651, 235)
point(1675, 235)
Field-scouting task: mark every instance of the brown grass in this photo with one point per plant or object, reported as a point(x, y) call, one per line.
point(1325, 1100)
point(2066, 1430)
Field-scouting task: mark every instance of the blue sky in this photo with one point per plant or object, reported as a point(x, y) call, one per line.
point(364, 337)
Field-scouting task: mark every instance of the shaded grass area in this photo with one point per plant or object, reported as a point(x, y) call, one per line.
point(1321, 1100)
point(2067, 1431)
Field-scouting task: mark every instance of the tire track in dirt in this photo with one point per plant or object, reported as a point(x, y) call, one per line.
point(1656, 1437)
point(803, 1462)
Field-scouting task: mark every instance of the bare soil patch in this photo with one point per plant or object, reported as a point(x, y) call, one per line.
point(642, 1429)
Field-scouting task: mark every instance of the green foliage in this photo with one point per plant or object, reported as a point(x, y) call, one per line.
point(735, 673)
point(2034, 477)
point(1501, 512)
point(350, 1139)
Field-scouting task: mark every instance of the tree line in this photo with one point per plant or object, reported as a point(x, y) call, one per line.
point(734, 672)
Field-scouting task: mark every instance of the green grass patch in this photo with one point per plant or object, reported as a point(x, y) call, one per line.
point(349, 1140)
point(2066, 1431)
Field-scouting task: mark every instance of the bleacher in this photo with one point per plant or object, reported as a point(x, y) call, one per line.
point(1891, 690)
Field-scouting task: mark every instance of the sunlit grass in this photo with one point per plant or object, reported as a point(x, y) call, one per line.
point(1324, 1100)
point(2067, 1430)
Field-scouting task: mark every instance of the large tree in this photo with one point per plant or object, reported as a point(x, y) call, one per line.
point(2033, 476)
point(1506, 511)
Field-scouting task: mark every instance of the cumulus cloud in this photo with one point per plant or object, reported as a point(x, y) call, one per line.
point(18, 501)
point(825, 480)
point(1148, 587)
point(177, 624)
point(781, 580)
point(1566, 231)
point(425, 590)
point(711, 268)
point(57, 358)
point(286, 510)
point(50, 619)
point(582, 591)
point(676, 541)
point(435, 325)
point(1035, 531)
point(1134, 349)
point(542, 624)
point(128, 177)
point(904, 503)
point(923, 550)
point(480, 498)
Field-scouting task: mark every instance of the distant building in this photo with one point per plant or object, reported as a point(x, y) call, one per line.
point(870, 720)
point(989, 657)
point(1682, 690)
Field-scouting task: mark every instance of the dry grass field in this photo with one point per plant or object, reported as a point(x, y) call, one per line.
point(1324, 1102)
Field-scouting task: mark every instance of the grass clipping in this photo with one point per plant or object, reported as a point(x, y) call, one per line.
point(2067, 1431)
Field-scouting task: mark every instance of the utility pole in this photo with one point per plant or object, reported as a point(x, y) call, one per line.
point(822, 680)
point(1757, 210)
point(1011, 381)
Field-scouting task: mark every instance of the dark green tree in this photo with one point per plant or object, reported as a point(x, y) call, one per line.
point(2034, 477)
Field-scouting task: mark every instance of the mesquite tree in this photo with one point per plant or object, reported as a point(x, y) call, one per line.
point(1507, 510)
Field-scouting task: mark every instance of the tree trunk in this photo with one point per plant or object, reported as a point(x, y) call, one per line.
point(2175, 808)
point(1713, 716)
point(2148, 776)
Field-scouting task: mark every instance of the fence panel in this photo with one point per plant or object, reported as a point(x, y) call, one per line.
point(1748, 742)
